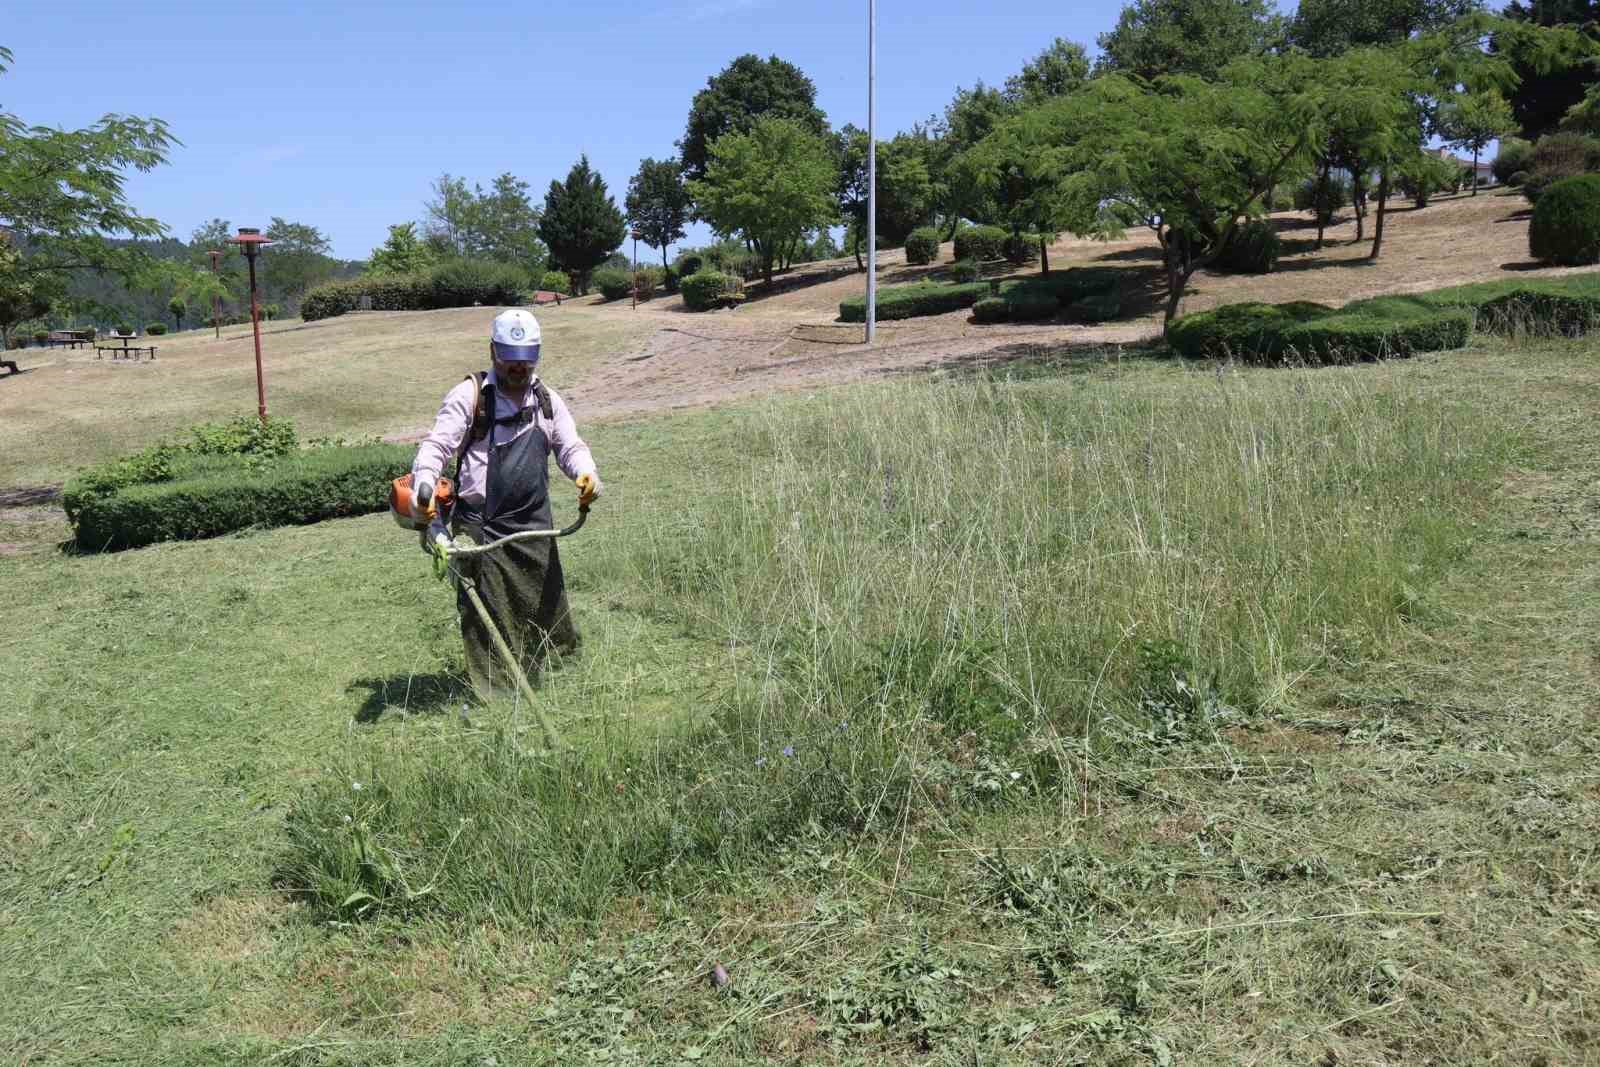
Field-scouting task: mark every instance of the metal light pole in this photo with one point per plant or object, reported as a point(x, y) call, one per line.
point(250, 243)
point(872, 171)
point(216, 300)
point(635, 270)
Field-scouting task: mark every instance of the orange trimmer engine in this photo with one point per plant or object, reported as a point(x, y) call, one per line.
point(401, 499)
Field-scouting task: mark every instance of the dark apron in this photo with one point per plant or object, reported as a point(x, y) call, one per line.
point(521, 583)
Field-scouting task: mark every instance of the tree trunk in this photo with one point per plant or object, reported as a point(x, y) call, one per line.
point(855, 247)
point(664, 258)
point(1475, 171)
point(1320, 203)
point(1044, 255)
point(1179, 266)
point(1383, 203)
point(1358, 203)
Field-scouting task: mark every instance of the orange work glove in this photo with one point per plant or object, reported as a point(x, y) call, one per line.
point(589, 488)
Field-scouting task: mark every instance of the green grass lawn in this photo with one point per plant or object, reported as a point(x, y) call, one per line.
point(1113, 713)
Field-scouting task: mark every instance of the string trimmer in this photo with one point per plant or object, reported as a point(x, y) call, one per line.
point(446, 550)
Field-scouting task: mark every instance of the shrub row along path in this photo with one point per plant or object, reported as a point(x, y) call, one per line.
point(381, 373)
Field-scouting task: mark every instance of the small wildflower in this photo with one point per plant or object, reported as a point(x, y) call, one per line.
point(356, 786)
point(788, 752)
point(1015, 775)
point(761, 762)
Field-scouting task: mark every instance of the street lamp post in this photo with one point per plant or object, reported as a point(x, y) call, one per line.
point(250, 243)
point(872, 171)
point(216, 299)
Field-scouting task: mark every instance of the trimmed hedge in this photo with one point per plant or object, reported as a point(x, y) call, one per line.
point(459, 283)
point(556, 281)
point(1020, 300)
point(922, 246)
point(965, 270)
point(222, 496)
point(1098, 307)
point(710, 289)
point(980, 243)
point(1566, 222)
point(1314, 333)
point(914, 301)
point(155, 329)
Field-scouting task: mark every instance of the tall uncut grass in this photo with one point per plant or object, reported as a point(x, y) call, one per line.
point(934, 596)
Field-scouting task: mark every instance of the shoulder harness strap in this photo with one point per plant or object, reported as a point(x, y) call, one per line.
point(543, 396)
point(481, 412)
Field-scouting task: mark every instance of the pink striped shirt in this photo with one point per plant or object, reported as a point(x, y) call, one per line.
point(455, 419)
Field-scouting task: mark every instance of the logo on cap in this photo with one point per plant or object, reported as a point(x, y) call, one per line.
point(518, 333)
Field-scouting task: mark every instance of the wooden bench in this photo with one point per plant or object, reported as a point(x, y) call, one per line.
point(124, 350)
point(70, 338)
point(10, 366)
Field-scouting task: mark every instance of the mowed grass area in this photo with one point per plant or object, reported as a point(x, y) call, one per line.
point(358, 375)
point(1123, 712)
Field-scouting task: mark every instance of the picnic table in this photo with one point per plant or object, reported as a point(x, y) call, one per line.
point(70, 338)
point(124, 351)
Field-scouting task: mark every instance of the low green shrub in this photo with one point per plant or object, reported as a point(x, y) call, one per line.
point(990, 309)
point(1425, 174)
point(1558, 156)
point(1514, 156)
point(1019, 248)
point(1566, 222)
point(613, 284)
point(965, 270)
point(1096, 307)
point(922, 246)
point(41, 336)
point(690, 263)
point(645, 282)
point(455, 283)
point(1254, 249)
point(221, 496)
point(1315, 333)
point(669, 280)
point(125, 329)
point(1322, 200)
point(1518, 180)
point(913, 301)
point(155, 329)
point(980, 243)
point(1017, 305)
point(710, 289)
point(556, 281)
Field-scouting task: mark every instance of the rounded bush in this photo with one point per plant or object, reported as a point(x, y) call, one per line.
point(965, 270)
point(556, 281)
point(1513, 159)
point(613, 284)
point(41, 336)
point(155, 329)
point(1255, 249)
point(690, 263)
point(1518, 180)
point(980, 243)
point(710, 289)
point(990, 310)
point(922, 246)
point(1566, 222)
point(1322, 200)
point(1019, 248)
point(645, 282)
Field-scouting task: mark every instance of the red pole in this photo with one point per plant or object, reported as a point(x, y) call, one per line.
point(255, 324)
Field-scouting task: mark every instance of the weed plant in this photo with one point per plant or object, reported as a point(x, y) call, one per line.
point(941, 599)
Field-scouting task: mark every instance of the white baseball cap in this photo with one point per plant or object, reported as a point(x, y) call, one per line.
point(515, 337)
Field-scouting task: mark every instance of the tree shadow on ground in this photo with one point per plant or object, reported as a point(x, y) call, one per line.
point(411, 694)
point(1529, 264)
point(1026, 359)
point(30, 496)
point(1517, 216)
point(1143, 254)
point(787, 283)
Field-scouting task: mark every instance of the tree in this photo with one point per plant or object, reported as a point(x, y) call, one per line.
point(1024, 166)
point(502, 224)
point(1547, 92)
point(177, 309)
point(1329, 27)
point(62, 204)
point(581, 223)
point(771, 186)
point(850, 186)
point(1187, 158)
point(1198, 37)
point(658, 204)
point(905, 191)
point(1472, 120)
point(402, 252)
point(297, 260)
point(969, 117)
point(748, 89)
point(1056, 71)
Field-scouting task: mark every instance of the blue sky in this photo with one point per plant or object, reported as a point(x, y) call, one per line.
point(341, 114)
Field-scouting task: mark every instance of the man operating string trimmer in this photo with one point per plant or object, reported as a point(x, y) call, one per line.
point(503, 426)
